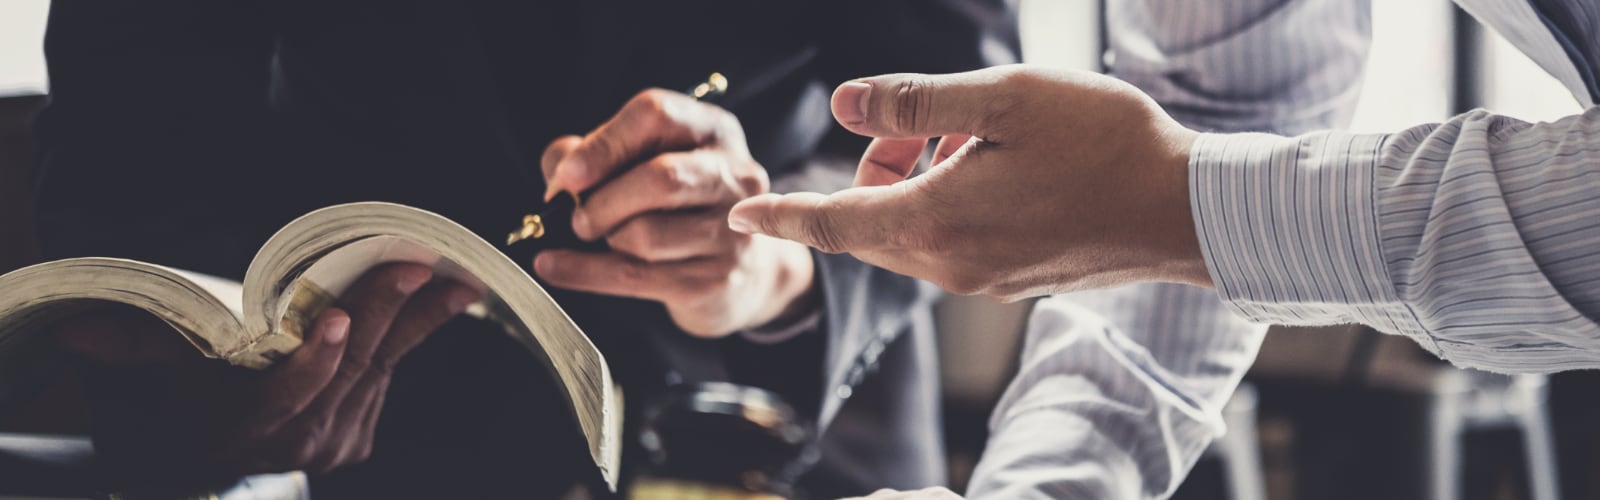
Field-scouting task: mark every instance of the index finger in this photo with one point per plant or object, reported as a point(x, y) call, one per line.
point(846, 221)
point(553, 153)
point(653, 121)
point(887, 161)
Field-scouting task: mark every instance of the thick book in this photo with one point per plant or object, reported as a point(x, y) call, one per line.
point(297, 274)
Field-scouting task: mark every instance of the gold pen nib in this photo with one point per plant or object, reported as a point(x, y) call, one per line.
point(532, 228)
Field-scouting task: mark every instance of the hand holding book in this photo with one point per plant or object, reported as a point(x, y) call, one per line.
point(312, 411)
point(384, 275)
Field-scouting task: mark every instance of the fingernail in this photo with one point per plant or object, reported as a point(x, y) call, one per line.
point(410, 281)
point(741, 224)
point(580, 225)
point(850, 102)
point(551, 191)
point(338, 329)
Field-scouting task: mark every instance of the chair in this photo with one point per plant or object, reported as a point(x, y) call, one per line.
point(1239, 450)
point(1464, 401)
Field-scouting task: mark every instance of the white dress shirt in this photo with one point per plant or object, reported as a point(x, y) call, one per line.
point(1451, 233)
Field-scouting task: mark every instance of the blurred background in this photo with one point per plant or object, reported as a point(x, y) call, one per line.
point(1328, 413)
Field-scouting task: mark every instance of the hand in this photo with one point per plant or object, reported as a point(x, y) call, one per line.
point(161, 409)
point(936, 493)
point(660, 177)
point(1044, 182)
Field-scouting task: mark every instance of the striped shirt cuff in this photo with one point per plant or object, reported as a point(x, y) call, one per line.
point(1289, 229)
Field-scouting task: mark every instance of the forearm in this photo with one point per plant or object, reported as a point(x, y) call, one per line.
point(1473, 237)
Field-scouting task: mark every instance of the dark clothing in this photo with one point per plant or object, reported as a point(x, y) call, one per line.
point(186, 131)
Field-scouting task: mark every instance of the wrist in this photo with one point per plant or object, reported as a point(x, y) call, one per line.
point(1176, 242)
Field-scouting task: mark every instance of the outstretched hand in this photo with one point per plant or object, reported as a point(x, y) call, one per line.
point(1043, 182)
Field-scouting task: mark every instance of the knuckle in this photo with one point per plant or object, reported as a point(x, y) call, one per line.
point(631, 273)
point(727, 129)
point(651, 104)
point(353, 366)
point(911, 99)
point(382, 366)
point(608, 147)
point(672, 175)
point(755, 181)
point(819, 230)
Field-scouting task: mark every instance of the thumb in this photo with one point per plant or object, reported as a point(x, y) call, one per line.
point(920, 106)
point(847, 221)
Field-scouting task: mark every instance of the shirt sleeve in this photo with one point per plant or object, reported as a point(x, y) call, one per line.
point(1476, 237)
point(1098, 411)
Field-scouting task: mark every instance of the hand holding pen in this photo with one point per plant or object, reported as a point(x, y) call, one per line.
point(657, 180)
point(557, 206)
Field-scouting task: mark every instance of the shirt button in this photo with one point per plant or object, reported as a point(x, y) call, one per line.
point(843, 392)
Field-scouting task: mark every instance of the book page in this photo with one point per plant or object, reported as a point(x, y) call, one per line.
point(229, 292)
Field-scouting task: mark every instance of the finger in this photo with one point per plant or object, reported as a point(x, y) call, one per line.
point(912, 105)
point(948, 146)
point(664, 237)
point(612, 273)
point(653, 121)
point(336, 417)
point(427, 310)
point(345, 435)
point(846, 221)
point(669, 181)
point(888, 161)
point(373, 302)
point(369, 426)
point(291, 386)
point(553, 154)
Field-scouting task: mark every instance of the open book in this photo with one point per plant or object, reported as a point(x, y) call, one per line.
point(299, 272)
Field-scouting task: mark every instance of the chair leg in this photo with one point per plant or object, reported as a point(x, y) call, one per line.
point(1242, 456)
point(1444, 446)
point(1538, 442)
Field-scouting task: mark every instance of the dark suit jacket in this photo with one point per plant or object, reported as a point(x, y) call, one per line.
point(186, 131)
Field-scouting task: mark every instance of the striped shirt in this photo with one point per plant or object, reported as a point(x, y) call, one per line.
point(1478, 237)
point(1474, 237)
